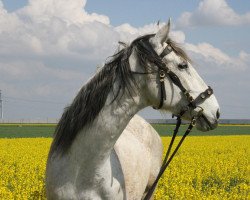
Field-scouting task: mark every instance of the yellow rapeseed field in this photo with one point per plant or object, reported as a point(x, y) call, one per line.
point(211, 167)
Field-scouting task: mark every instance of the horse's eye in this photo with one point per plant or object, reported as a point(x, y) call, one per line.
point(183, 65)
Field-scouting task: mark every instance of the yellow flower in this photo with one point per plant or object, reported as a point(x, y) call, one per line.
point(210, 167)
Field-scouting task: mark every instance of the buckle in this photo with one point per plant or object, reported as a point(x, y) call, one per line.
point(162, 74)
point(193, 122)
point(203, 96)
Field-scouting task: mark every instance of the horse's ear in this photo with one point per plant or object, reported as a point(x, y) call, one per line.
point(162, 35)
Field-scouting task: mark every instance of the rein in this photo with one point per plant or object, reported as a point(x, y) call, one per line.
point(192, 104)
point(168, 159)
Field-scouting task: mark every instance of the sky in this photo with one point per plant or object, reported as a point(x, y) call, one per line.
point(50, 48)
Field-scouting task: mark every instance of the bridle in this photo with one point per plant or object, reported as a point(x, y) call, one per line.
point(163, 71)
point(192, 104)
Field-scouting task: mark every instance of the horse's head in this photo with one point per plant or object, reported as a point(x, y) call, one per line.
point(175, 85)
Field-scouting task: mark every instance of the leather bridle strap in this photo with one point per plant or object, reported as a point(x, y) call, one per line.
point(202, 97)
point(163, 96)
point(167, 160)
point(163, 70)
point(175, 79)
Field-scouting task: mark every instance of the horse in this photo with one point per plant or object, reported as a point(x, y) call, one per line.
point(101, 149)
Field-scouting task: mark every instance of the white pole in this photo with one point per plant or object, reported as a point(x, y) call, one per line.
point(1, 105)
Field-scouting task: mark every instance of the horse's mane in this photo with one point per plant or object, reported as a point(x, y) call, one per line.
point(92, 97)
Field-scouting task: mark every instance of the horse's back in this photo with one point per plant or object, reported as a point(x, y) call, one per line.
point(139, 149)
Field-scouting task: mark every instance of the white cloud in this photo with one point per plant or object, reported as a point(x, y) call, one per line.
point(50, 48)
point(213, 13)
point(34, 70)
point(205, 52)
point(34, 80)
point(70, 12)
point(209, 53)
point(52, 27)
point(7, 20)
point(244, 56)
point(128, 33)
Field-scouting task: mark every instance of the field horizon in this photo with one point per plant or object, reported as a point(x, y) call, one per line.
point(17, 130)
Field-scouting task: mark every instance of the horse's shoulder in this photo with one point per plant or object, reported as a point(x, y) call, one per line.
point(140, 129)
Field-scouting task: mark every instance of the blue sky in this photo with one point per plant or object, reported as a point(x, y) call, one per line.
point(47, 51)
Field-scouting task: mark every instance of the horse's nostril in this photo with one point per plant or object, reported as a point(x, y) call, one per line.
point(218, 114)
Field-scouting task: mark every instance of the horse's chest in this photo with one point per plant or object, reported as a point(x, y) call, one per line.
point(107, 183)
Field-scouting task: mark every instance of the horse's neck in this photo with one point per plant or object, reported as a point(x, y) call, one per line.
point(95, 142)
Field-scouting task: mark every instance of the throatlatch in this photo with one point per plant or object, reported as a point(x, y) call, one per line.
point(163, 96)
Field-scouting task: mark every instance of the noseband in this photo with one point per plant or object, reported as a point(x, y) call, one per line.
point(192, 104)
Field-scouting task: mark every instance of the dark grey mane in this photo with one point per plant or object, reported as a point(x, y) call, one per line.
point(92, 97)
